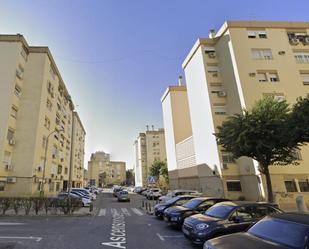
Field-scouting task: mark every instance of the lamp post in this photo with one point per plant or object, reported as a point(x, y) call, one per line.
point(45, 159)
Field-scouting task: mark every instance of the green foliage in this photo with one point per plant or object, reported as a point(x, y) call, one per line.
point(159, 168)
point(130, 177)
point(270, 133)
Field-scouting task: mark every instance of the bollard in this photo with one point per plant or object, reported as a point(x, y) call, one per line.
point(300, 203)
point(146, 206)
point(90, 207)
point(143, 204)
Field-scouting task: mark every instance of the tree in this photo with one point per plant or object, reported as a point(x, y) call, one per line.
point(130, 177)
point(159, 168)
point(262, 133)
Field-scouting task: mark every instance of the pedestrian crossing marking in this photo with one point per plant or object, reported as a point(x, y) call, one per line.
point(125, 211)
point(102, 212)
point(119, 211)
point(136, 211)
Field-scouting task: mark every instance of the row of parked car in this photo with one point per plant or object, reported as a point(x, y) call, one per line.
point(86, 195)
point(218, 223)
point(157, 194)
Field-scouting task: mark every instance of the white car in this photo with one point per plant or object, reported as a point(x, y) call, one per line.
point(154, 193)
point(87, 192)
point(175, 193)
point(86, 201)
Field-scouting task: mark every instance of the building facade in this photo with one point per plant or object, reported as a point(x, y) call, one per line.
point(103, 171)
point(148, 147)
point(36, 113)
point(225, 73)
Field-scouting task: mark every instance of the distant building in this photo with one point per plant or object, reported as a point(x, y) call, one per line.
point(148, 147)
point(225, 73)
point(103, 171)
point(36, 107)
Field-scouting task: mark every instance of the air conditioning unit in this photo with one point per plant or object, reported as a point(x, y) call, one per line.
point(12, 141)
point(11, 179)
point(222, 94)
point(211, 54)
point(294, 41)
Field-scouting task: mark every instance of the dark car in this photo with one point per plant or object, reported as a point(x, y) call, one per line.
point(278, 231)
point(176, 201)
point(225, 218)
point(176, 215)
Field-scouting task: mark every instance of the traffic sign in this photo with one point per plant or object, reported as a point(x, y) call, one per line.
point(152, 180)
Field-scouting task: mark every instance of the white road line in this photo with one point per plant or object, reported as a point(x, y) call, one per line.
point(10, 224)
point(125, 212)
point(114, 211)
point(102, 212)
point(136, 211)
point(160, 237)
point(37, 239)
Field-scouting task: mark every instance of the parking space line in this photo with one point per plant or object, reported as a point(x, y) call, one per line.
point(37, 239)
point(125, 211)
point(136, 211)
point(102, 212)
point(11, 223)
point(114, 211)
point(160, 237)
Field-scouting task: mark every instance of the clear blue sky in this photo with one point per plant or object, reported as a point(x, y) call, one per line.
point(117, 57)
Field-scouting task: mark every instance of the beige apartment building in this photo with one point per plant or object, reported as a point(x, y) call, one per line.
point(36, 112)
point(103, 171)
point(229, 71)
point(148, 147)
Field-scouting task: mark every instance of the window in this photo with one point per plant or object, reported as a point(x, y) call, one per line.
point(262, 77)
point(267, 76)
point(273, 77)
point(212, 69)
point(59, 171)
point(233, 185)
point(47, 123)
point(290, 186)
point(301, 57)
point(277, 96)
point(19, 72)
point(261, 54)
point(57, 186)
point(220, 110)
point(252, 34)
point(244, 213)
point(7, 157)
point(10, 134)
point(52, 187)
point(50, 88)
point(305, 78)
point(24, 54)
point(49, 104)
point(14, 112)
point(17, 91)
point(261, 211)
point(303, 185)
point(227, 158)
point(54, 151)
point(2, 186)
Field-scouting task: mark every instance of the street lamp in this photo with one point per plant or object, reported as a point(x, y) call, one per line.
point(45, 159)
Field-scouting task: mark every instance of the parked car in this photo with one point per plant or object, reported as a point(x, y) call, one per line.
point(176, 201)
point(86, 202)
point(145, 192)
point(123, 195)
point(278, 231)
point(225, 218)
point(116, 190)
point(85, 191)
point(176, 215)
point(154, 194)
point(175, 193)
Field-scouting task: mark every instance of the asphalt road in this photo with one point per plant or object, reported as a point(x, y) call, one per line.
point(114, 225)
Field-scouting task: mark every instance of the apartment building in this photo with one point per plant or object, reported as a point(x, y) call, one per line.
point(36, 113)
point(148, 147)
point(229, 71)
point(103, 171)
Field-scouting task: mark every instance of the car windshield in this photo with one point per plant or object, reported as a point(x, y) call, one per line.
point(123, 192)
point(169, 195)
point(172, 201)
point(193, 203)
point(221, 211)
point(284, 232)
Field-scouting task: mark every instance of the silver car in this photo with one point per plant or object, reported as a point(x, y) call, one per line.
point(123, 196)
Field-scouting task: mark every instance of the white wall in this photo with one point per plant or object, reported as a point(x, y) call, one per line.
point(201, 115)
point(169, 133)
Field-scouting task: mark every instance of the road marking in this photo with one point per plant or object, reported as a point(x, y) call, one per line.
point(136, 211)
point(160, 237)
point(10, 224)
point(37, 239)
point(102, 212)
point(114, 211)
point(125, 211)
